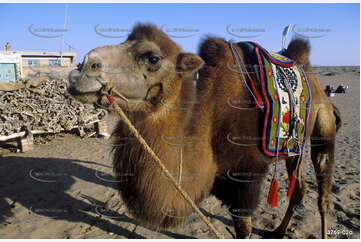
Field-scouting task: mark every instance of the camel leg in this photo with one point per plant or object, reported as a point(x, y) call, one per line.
point(246, 200)
point(295, 200)
point(243, 227)
point(323, 159)
point(323, 162)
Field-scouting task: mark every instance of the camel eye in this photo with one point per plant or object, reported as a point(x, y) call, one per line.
point(154, 60)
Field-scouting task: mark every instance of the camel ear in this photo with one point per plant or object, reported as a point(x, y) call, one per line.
point(189, 63)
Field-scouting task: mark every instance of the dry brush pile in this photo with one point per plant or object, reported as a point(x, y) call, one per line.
point(49, 107)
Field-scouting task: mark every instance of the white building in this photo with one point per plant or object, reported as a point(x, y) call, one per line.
point(21, 64)
point(10, 66)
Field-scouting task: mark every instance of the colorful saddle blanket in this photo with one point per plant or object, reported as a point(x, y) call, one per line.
point(284, 123)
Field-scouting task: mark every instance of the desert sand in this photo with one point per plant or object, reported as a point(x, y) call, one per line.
point(64, 188)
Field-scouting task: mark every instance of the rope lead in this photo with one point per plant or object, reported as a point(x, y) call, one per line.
point(158, 161)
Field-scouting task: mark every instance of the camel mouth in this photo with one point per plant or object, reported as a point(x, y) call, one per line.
point(136, 99)
point(93, 97)
point(72, 89)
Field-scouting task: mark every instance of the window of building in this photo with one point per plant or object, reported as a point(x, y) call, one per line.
point(33, 62)
point(54, 62)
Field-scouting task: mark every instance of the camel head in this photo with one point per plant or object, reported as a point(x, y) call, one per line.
point(148, 69)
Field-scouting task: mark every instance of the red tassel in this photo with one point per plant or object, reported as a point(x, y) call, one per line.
point(111, 99)
point(273, 193)
point(292, 184)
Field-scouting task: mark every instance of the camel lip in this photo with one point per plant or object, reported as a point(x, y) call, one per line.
point(75, 92)
point(131, 100)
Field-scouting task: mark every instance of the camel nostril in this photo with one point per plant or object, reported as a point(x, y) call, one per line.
point(95, 66)
point(72, 90)
point(93, 69)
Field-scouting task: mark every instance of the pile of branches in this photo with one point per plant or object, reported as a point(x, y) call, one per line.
point(48, 107)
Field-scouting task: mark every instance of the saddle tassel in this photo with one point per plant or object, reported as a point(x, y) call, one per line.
point(292, 184)
point(273, 193)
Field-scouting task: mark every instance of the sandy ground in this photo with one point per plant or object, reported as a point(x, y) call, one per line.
point(64, 188)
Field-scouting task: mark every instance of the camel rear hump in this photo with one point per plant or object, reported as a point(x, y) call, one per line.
point(299, 51)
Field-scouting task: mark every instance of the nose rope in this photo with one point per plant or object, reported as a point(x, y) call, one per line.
point(180, 166)
point(107, 89)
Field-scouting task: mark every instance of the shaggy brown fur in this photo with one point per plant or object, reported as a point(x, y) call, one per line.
point(202, 116)
point(216, 84)
point(147, 192)
point(299, 50)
